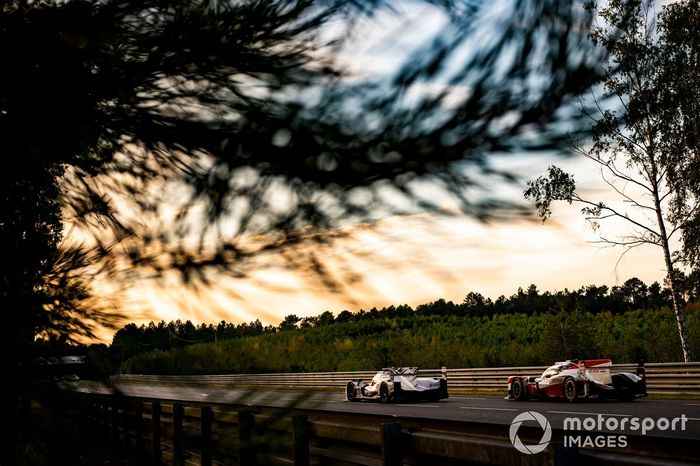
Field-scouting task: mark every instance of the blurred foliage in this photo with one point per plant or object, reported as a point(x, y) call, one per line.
point(29, 238)
point(245, 111)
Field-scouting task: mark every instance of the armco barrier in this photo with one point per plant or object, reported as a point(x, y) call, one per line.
point(157, 432)
point(662, 378)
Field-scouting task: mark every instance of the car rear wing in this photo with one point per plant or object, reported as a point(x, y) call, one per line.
point(401, 370)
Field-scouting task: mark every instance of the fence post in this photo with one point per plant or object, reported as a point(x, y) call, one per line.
point(90, 414)
point(155, 444)
point(565, 456)
point(114, 420)
point(100, 414)
point(391, 444)
point(207, 416)
point(246, 455)
point(138, 431)
point(178, 415)
point(107, 416)
point(126, 423)
point(80, 407)
point(300, 439)
point(97, 412)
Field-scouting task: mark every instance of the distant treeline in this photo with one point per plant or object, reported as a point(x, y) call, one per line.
point(626, 322)
point(434, 341)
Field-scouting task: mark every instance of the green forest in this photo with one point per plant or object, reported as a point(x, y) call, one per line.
point(625, 323)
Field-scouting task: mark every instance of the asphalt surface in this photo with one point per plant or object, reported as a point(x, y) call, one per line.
point(482, 409)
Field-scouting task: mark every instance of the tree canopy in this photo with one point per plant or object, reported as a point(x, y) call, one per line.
point(679, 89)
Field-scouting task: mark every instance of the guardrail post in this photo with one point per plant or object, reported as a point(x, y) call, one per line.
point(391, 444)
point(97, 412)
point(88, 414)
point(207, 416)
point(126, 423)
point(102, 414)
point(80, 408)
point(178, 415)
point(114, 420)
point(565, 456)
point(108, 417)
point(155, 444)
point(300, 439)
point(138, 432)
point(246, 455)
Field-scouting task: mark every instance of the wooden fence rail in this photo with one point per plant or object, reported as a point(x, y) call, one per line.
point(157, 432)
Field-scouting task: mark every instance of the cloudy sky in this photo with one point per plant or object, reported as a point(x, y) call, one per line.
point(412, 259)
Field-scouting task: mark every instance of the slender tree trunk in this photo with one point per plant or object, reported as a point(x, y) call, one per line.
point(678, 305)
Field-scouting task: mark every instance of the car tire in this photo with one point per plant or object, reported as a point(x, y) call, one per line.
point(351, 392)
point(569, 390)
point(384, 395)
point(517, 390)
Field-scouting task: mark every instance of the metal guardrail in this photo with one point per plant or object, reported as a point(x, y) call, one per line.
point(662, 378)
point(161, 432)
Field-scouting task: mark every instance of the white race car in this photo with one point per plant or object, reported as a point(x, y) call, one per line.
point(398, 383)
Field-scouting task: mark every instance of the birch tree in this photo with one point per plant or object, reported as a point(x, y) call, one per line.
point(636, 146)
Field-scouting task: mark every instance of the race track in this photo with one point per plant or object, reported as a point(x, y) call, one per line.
point(481, 409)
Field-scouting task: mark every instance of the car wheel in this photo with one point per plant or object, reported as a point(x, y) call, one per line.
point(351, 392)
point(517, 390)
point(384, 396)
point(569, 389)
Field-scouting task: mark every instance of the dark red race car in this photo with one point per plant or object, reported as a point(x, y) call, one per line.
point(579, 379)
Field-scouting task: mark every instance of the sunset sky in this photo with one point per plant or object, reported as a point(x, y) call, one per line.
point(413, 260)
point(417, 258)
